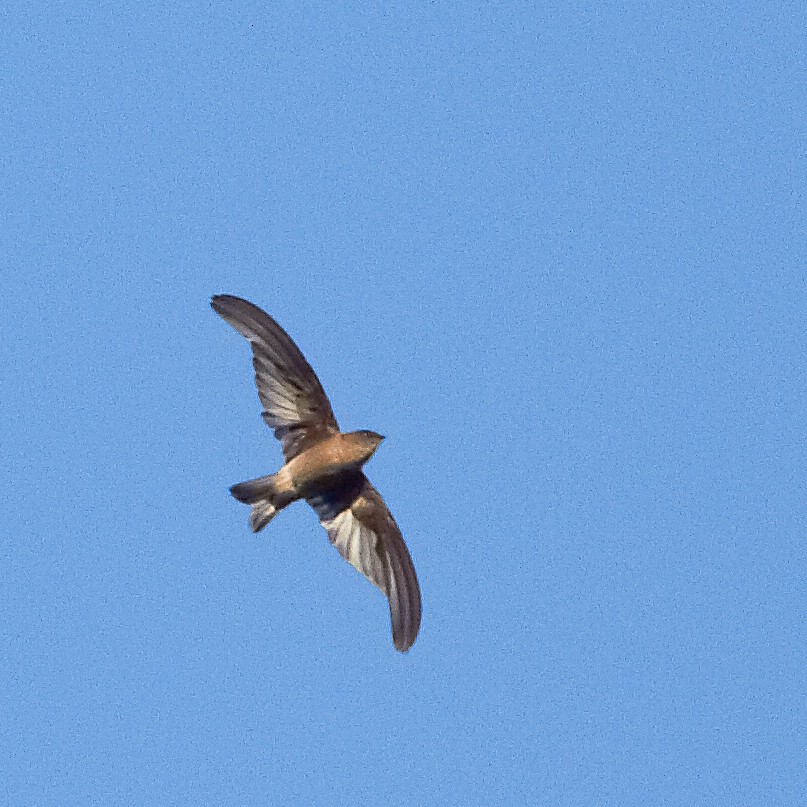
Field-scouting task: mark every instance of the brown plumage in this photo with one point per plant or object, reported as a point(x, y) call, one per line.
point(323, 466)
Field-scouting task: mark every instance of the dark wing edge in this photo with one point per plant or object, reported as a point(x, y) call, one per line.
point(294, 402)
point(404, 594)
point(361, 527)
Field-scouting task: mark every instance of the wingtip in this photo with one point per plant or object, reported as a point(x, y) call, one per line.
point(405, 635)
point(231, 308)
point(236, 309)
point(218, 300)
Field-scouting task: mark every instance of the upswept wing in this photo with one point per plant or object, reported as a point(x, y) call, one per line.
point(294, 403)
point(361, 527)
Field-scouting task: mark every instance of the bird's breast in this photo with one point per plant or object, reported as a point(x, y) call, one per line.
point(326, 459)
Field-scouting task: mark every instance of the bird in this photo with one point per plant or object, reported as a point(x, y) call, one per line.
point(323, 466)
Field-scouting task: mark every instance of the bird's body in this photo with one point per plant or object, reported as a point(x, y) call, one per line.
point(315, 471)
point(323, 466)
point(320, 464)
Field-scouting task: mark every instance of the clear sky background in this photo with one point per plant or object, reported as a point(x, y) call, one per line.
point(555, 252)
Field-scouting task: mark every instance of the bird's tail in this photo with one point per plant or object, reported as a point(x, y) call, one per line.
point(264, 496)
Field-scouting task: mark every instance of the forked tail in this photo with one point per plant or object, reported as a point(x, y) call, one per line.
point(265, 498)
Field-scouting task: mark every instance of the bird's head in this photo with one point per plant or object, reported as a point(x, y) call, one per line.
point(368, 441)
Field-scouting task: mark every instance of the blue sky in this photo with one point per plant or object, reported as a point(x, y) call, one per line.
point(555, 253)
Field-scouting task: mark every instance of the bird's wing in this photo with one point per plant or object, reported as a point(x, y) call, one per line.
point(362, 528)
point(294, 403)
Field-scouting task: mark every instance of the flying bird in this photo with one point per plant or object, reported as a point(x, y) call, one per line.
point(323, 466)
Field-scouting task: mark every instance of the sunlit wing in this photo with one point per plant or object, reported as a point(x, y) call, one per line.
point(361, 527)
point(294, 403)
